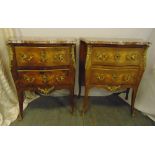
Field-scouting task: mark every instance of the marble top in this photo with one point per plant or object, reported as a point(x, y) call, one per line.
point(37, 40)
point(115, 41)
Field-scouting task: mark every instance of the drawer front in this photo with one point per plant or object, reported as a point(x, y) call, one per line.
point(53, 77)
point(117, 56)
point(42, 56)
point(113, 76)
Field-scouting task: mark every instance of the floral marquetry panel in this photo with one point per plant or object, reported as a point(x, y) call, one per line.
point(117, 56)
point(35, 78)
point(39, 56)
point(113, 76)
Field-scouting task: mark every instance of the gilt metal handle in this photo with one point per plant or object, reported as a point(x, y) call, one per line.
point(131, 57)
point(127, 77)
point(29, 79)
point(100, 77)
point(102, 57)
point(26, 58)
point(59, 57)
point(60, 78)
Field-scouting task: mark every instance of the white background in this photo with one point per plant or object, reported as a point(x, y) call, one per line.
point(142, 33)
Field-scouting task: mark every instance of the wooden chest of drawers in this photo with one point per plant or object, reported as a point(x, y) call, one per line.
point(112, 65)
point(43, 66)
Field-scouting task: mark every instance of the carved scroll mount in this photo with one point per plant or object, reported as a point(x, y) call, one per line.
point(45, 91)
point(112, 88)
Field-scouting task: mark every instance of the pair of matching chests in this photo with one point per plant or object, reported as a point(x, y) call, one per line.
point(47, 65)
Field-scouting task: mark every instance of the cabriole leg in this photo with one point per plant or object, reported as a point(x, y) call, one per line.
point(127, 93)
point(72, 104)
point(85, 103)
point(21, 100)
point(134, 92)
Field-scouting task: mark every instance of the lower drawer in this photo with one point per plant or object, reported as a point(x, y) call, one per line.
point(116, 76)
point(45, 77)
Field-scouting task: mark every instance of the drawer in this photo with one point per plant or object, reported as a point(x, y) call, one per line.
point(117, 56)
point(114, 76)
point(43, 56)
point(45, 77)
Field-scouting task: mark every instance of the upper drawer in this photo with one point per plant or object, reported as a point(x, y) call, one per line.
point(43, 56)
point(117, 56)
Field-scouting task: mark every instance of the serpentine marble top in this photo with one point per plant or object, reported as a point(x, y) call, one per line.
point(37, 40)
point(42, 40)
point(115, 41)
